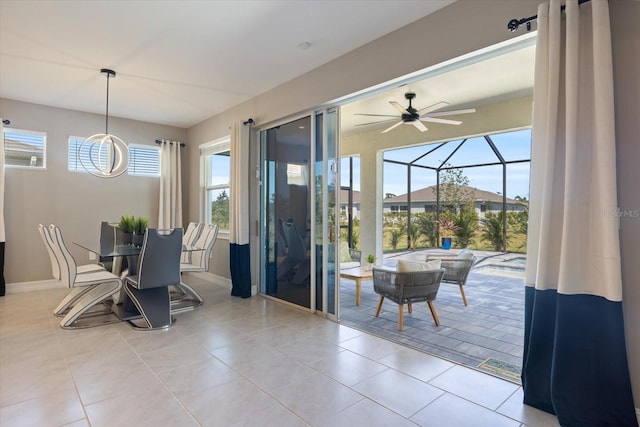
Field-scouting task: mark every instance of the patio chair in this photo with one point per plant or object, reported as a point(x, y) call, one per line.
point(407, 287)
point(457, 268)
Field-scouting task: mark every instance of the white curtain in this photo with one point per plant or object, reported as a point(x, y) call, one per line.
point(574, 352)
point(239, 252)
point(2, 230)
point(170, 212)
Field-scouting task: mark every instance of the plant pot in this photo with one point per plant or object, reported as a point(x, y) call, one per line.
point(137, 239)
point(127, 238)
point(446, 243)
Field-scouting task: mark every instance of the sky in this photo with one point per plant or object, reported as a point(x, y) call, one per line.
point(512, 146)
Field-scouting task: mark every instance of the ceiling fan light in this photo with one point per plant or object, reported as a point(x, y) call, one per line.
point(411, 116)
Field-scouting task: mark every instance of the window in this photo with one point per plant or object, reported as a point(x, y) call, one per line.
point(144, 160)
point(215, 172)
point(24, 148)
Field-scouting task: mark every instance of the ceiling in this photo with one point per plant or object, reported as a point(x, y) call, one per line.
point(181, 62)
point(470, 83)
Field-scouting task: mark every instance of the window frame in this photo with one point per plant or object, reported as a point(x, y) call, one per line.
point(26, 132)
point(217, 146)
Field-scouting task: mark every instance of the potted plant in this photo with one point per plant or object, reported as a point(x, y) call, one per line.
point(447, 231)
point(371, 259)
point(140, 227)
point(127, 225)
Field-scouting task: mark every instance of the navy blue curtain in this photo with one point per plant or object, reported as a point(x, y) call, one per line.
point(240, 270)
point(575, 361)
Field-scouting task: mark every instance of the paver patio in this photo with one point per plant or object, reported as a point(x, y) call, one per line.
point(487, 335)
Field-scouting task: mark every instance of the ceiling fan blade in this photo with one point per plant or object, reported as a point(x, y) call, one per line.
point(398, 107)
point(393, 127)
point(375, 115)
point(433, 107)
point(449, 113)
point(421, 127)
point(444, 121)
point(375, 123)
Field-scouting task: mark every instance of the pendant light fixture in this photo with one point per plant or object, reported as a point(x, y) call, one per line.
point(104, 155)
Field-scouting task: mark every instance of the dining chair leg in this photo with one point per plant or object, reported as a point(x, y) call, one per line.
point(400, 316)
point(154, 304)
point(434, 313)
point(464, 298)
point(410, 308)
point(379, 305)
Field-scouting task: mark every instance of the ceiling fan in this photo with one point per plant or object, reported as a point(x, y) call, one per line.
point(411, 116)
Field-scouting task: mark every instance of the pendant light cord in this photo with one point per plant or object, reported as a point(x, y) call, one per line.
point(106, 124)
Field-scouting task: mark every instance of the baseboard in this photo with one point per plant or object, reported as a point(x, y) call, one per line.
point(214, 278)
point(40, 285)
point(225, 281)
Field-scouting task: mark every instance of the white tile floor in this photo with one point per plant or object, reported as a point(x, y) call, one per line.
point(233, 362)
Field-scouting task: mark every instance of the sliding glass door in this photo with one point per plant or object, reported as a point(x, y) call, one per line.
point(298, 176)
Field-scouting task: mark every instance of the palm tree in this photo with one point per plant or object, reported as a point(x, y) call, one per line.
point(467, 223)
point(427, 227)
point(414, 232)
point(395, 236)
point(492, 230)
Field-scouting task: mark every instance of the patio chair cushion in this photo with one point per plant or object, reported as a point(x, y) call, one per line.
point(345, 255)
point(465, 254)
point(406, 266)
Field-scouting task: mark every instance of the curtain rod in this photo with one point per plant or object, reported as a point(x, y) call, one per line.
point(515, 23)
point(182, 144)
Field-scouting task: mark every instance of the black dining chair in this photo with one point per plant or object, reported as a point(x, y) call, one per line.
point(158, 268)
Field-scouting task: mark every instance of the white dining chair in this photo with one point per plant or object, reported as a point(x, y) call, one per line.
point(188, 298)
point(102, 285)
point(189, 238)
point(74, 293)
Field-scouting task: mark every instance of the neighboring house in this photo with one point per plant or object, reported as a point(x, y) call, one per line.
point(424, 200)
point(344, 203)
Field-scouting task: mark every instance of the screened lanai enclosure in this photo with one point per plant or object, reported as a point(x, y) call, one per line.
point(473, 191)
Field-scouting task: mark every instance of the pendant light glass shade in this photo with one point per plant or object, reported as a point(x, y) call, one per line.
point(104, 155)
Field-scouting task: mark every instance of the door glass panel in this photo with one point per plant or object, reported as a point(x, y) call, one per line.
point(286, 212)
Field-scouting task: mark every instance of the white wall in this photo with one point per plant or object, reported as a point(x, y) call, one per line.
point(463, 27)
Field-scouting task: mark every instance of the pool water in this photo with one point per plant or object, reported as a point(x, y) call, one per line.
point(517, 260)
